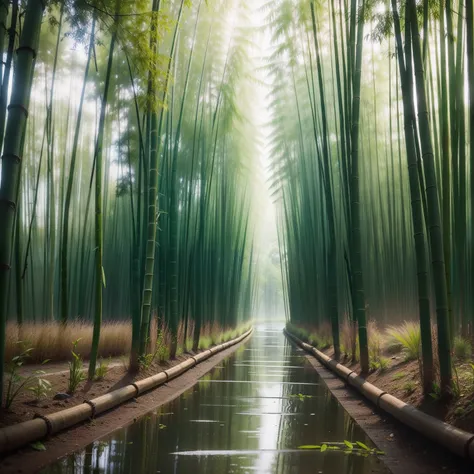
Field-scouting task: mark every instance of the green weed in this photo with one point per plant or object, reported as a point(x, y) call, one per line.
point(101, 370)
point(15, 381)
point(436, 393)
point(409, 387)
point(399, 375)
point(41, 388)
point(76, 374)
point(407, 338)
point(462, 348)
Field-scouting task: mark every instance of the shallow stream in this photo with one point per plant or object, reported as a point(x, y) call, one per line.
point(250, 414)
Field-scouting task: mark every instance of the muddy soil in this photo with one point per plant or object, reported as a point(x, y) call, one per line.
point(406, 452)
point(402, 380)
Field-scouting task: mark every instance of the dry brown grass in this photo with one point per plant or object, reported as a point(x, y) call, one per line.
point(54, 341)
point(376, 340)
point(347, 339)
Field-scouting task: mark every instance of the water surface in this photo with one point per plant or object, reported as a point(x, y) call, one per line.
point(249, 415)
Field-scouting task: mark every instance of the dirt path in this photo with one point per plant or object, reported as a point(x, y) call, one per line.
point(406, 452)
point(59, 368)
point(29, 461)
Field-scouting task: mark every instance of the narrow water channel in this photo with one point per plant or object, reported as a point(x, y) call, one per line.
point(250, 414)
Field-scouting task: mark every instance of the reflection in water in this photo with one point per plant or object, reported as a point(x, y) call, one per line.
point(245, 416)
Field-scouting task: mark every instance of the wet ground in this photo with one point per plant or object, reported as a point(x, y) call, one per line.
point(253, 413)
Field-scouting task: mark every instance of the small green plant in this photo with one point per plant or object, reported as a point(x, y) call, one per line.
point(374, 365)
point(42, 386)
point(205, 342)
point(76, 374)
point(409, 387)
point(384, 364)
point(101, 370)
point(15, 381)
point(357, 448)
point(300, 396)
point(375, 341)
point(162, 353)
point(436, 393)
point(146, 360)
point(38, 446)
point(399, 375)
point(300, 333)
point(319, 341)
point(406, 337)
point(462, 348)
point(455, 386)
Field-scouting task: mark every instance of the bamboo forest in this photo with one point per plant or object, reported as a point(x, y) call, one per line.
point(236, 236)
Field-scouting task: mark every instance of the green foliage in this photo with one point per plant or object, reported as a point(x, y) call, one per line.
point(101, 370)
point(205, 342)
point(409, 387)
point(456, 385)
point(301, 397)
point(462, 348)
point(436, 394)
point(146, 361)
point(384, 364)
point(38, 446)
point(161, 353)
point(319, 339)
point(76, 373)
point(376, 342)
point(297, 331)
point(399, 376)
point(349, 447)
point(374, 365)
point(16, 382)
point(42, 387)
point(407, 337)
point(381, 364)
point(349, 444)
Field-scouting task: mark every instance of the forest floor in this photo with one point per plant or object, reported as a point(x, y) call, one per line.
point(402, 380)
point(25, 407)
point(27, 460)
point(406, 451)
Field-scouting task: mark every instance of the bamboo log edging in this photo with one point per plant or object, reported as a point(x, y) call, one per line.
point(458, 441)
point(21, 434)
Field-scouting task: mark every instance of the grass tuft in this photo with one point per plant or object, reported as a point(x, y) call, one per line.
point(409, 388)
point(53, 340)
point(462, 349)
point(406, 338)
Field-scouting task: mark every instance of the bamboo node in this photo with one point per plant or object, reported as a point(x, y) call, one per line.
point(379, 397)
point(92, 405)
point(5, 266)
point(49, 426)
point(135, 386)
point(10, 204)
point(27, 48)
point(18, 106)
point(467, 450)
point(16, 158)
